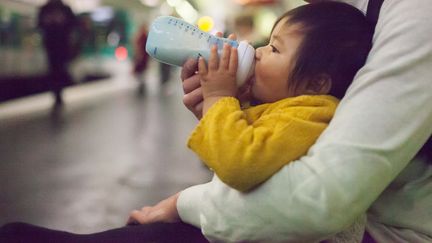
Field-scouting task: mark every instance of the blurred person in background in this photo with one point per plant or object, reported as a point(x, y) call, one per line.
point(141, 57)
point(164, 72)
point(57, 22)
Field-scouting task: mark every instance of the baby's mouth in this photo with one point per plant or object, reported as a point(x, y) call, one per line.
point(246, 87)
point(250, 81)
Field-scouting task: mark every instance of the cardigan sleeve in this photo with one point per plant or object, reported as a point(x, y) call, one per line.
point(244, 151)
point(379, 126)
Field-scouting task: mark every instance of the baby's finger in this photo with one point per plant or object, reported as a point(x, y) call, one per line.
point(233, 62)
point(225, 59)
point(232, 36)
point(202, 68)
point(213, 60)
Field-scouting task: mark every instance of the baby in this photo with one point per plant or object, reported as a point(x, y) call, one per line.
point(310, 61)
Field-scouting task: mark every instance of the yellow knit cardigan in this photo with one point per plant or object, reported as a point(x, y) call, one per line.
point(246, 147)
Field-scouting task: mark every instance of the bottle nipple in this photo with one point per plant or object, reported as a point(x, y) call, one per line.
point(246, 62)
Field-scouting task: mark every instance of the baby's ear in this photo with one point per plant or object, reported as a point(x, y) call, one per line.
point(321, 84)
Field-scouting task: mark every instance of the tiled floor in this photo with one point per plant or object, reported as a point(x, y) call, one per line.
point(84, 167)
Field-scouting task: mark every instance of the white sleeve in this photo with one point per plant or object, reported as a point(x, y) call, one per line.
point(379, 126)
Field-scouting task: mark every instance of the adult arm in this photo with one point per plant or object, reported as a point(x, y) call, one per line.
point(379, 126)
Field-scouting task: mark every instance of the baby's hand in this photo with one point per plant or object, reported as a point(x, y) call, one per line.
point(218, 79)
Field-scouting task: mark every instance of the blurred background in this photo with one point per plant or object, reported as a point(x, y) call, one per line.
point(90, 127)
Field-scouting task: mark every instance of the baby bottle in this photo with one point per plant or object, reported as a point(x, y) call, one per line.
point(172, 41)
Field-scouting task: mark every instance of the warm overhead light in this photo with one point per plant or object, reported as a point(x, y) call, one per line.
point(205, 23)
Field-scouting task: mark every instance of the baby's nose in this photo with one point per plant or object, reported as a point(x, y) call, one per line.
point(258, 53)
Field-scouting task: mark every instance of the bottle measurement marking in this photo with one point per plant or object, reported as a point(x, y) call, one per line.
point(188, 28)
point(210, 39)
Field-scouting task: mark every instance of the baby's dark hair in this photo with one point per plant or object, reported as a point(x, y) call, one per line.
point(336, 41)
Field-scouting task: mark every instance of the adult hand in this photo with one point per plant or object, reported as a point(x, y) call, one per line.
point(165, 211)
point(193, 97)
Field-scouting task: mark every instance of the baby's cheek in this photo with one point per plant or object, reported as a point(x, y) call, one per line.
point(262, 73)
point(255, 91)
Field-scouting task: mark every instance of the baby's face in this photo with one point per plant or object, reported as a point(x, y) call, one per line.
point(274, 63)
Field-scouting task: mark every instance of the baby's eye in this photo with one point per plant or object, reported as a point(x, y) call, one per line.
point(274, 49)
